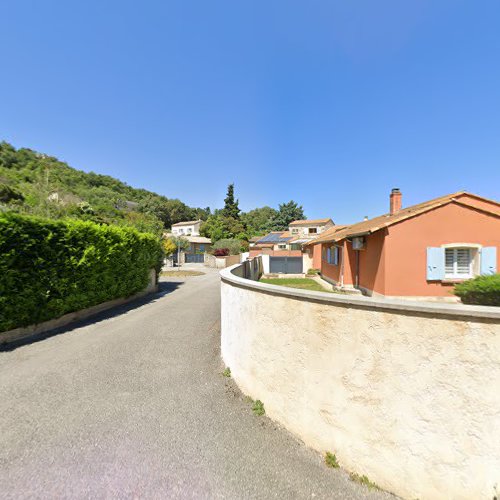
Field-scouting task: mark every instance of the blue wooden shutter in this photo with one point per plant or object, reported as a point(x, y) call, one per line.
point(488, 260)
point(435, 263)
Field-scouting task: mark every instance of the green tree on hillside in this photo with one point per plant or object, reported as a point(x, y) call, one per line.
point(287, 212)
point(257, 220)
point(218, 227)
point(49, 187)
point(231, 208)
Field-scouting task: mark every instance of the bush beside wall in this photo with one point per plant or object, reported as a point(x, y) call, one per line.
point(483, 290)
point(49, 268)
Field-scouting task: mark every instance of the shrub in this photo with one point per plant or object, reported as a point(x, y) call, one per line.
point(233, 245)
point(312, 272)
point(221, 252)
point(483, 290)
point(49, 268)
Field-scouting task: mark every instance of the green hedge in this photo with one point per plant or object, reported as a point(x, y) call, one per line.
point(483, 290)
point(49, 268)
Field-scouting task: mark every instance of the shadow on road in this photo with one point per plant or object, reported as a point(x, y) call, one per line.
point(165, 287)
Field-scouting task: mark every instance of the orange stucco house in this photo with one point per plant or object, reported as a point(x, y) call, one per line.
point(419, 251)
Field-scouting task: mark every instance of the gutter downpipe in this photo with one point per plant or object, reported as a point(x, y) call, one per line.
point(344, 249)
point(357, 268)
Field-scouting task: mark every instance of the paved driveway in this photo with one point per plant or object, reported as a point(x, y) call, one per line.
point(133, 405)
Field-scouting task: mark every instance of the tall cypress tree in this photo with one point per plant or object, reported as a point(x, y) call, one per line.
point(231, 208)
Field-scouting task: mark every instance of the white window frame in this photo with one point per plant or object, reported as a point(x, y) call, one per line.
point(281, 246)
point(474, 264)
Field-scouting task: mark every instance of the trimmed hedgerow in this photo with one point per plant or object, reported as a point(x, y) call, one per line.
point(49, 268)
point(483, 290)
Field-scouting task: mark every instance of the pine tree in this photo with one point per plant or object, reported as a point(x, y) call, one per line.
point(231, 208)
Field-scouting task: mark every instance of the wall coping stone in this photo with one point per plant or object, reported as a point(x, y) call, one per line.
point(397, 305)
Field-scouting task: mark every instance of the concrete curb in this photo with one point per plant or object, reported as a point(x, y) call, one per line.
point(398, 305)
point(32, 330)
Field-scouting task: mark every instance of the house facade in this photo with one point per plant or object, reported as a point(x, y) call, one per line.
point(286, 248)
point(420, 251)
point(187, 228)
point(198, 245)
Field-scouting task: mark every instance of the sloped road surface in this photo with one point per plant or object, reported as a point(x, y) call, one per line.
point(133, 405)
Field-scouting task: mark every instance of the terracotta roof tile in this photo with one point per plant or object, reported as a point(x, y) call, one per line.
point(310, 222)
point(186, 223)
point(377, 223)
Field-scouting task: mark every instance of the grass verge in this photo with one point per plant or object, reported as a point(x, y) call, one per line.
point(301, 283)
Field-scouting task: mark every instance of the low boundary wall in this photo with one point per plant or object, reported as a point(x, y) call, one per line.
point(221, 262)
point(406, 393)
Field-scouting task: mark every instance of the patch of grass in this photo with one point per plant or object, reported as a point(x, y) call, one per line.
point(301, 283)
point(227, 372)
point(258, 408)
point(363, 480)
point(181, 274)
point(331, 460)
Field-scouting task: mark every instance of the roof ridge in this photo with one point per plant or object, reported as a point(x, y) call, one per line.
point(375, 223)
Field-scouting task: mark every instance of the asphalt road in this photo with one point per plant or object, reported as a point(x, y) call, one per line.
point(133, 405)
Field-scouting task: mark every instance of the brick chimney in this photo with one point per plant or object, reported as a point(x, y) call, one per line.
point(395, 200)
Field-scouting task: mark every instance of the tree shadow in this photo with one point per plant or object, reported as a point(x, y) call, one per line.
point(164, 288)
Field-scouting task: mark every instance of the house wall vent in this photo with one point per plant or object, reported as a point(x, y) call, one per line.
point(358, 243)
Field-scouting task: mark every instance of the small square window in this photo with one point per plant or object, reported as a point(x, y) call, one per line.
point(458, 263)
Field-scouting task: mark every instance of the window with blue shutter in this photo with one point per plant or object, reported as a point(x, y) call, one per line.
point(435, 263)
point(488, 260)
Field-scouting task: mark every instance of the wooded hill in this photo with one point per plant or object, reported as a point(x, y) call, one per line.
point(35, 183)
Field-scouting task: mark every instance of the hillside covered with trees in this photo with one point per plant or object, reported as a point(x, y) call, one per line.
point(39, 184)
point(35, 183)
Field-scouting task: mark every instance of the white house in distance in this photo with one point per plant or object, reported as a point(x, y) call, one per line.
point(198, 245)
point(190, 227)
point(309, 228)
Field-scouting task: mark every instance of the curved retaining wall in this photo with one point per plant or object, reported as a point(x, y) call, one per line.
point(407, 393)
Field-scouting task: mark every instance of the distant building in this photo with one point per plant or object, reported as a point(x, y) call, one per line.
point(199, 245)
point(191, 227)
point(285, 248)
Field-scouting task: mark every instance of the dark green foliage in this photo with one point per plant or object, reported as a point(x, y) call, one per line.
point(288, 212)
point(231, 208)
point(258, 220)
point(49, 268)
point(483, 290)
point(219, 227)
point(51, 188)
point(8, 194)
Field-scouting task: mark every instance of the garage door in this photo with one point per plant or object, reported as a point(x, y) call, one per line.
point(285, 265)
point(192, 258)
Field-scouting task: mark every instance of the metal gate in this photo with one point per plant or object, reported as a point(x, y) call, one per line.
point(195, 258)
point(285, 265)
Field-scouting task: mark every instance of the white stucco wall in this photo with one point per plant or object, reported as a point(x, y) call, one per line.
point(410, 400)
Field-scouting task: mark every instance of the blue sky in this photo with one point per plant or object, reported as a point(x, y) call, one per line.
point(330, 103)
